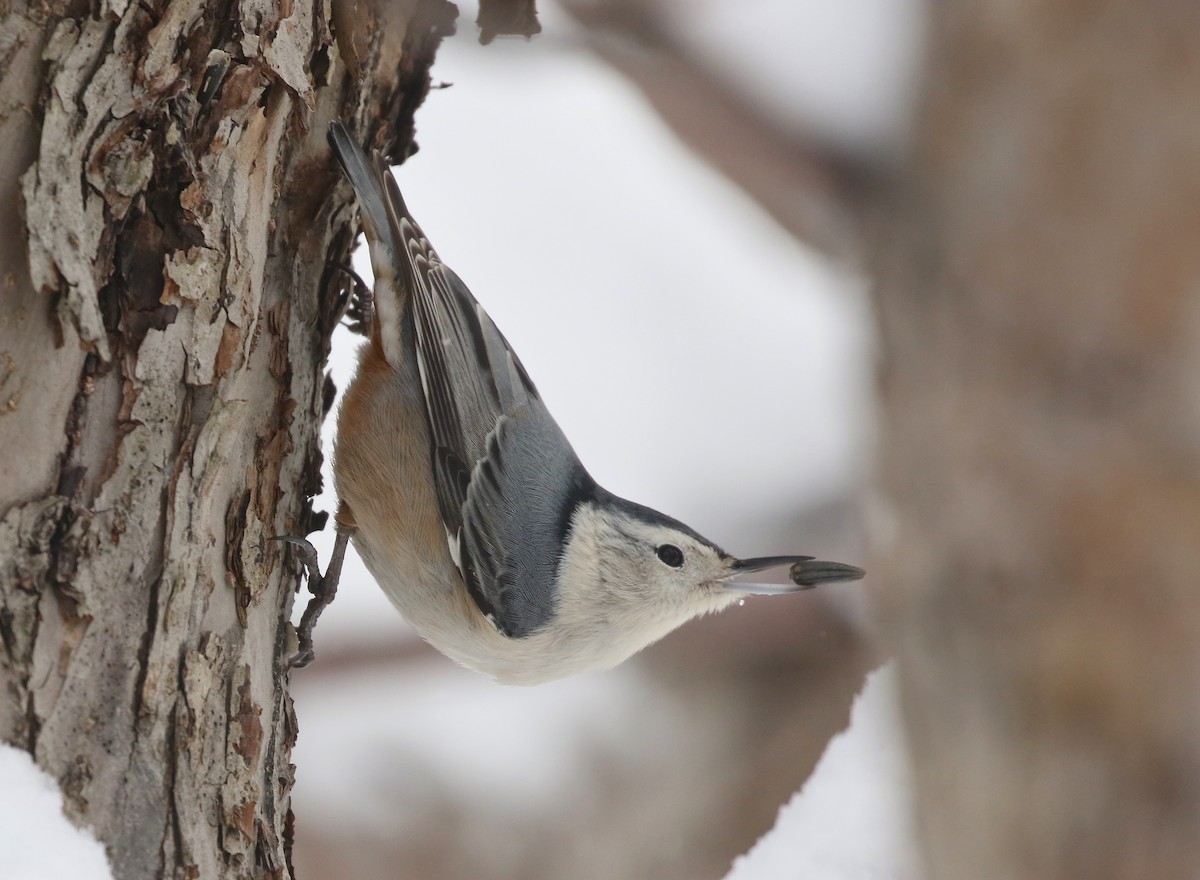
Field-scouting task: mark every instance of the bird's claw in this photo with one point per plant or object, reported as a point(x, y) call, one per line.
point(306, 553)
point(360, 305)
point(322, 587)
point(301, 658)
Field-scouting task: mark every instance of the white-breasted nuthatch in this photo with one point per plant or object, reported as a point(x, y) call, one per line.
point(469, 506)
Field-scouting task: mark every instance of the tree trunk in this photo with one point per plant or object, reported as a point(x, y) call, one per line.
point(161, 346)
point(1041, 334)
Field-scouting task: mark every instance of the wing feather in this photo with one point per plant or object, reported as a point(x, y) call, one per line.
point(507, 481)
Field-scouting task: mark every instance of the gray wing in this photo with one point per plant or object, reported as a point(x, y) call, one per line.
point(520, 501)
point(507, 480)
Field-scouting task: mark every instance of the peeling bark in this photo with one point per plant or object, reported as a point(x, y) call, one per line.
point(161, 389)
point(507, 17)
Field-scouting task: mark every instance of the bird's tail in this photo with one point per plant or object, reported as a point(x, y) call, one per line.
point(365, 174)
point(382, 210)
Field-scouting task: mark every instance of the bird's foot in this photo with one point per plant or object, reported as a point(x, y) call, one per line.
point(360, 304)
point(322, 587)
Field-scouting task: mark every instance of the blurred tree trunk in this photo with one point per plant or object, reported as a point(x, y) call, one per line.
point(1040, 311)
point(161, 345)
point(1038, 296)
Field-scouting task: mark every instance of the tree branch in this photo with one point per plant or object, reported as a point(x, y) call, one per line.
point(817, 192)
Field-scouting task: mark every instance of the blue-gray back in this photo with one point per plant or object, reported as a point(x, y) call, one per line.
point(507, 480)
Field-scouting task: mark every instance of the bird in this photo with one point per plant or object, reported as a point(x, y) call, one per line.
point(466, 501)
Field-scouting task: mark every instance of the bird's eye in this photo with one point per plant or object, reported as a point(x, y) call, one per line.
point(671, 555)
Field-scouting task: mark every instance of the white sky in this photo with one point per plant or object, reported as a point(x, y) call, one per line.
point(845, 71)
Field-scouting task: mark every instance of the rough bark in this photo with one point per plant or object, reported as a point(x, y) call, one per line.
point(1041, 449)
point(161, 387)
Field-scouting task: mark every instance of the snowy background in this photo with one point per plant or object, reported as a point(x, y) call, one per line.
point(36, 840)
point(850, 821)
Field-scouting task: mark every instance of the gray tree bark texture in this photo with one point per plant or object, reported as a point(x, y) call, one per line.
point(1040, 317)
point(165, 312)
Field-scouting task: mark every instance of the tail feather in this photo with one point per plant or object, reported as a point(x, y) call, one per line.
point(369, 184)
point(378, 200)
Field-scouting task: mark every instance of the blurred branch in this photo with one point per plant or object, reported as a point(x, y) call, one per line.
point(817, 192)
point(351, 657)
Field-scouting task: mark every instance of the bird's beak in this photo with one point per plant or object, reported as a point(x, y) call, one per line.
point(772, 575)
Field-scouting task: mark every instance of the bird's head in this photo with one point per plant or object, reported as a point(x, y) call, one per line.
point(639, 571)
